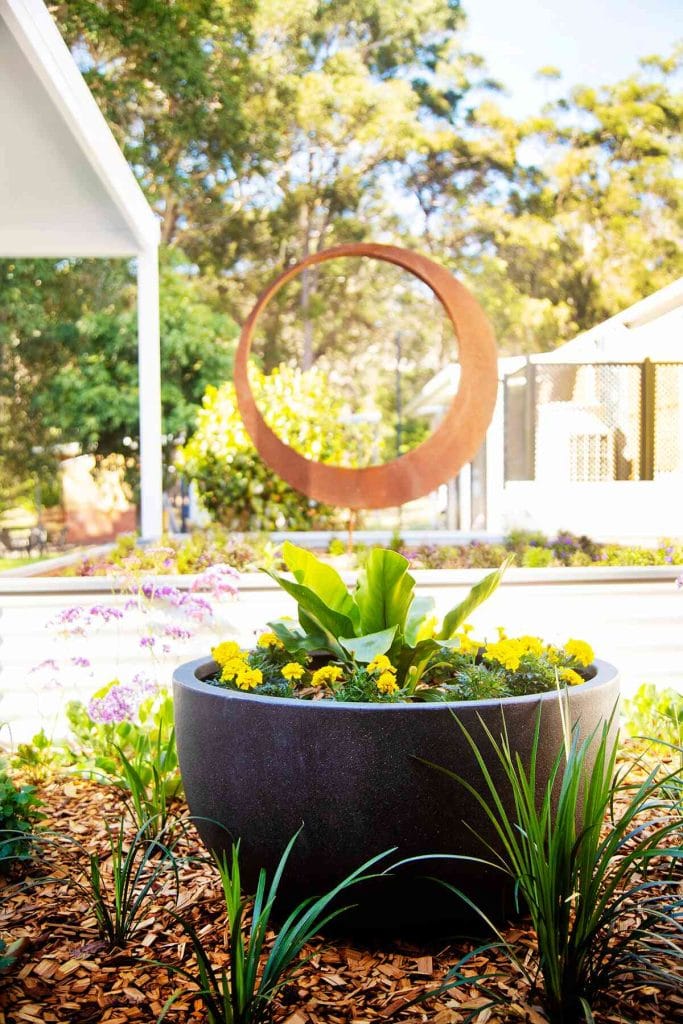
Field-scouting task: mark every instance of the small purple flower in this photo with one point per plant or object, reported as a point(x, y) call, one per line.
point(679, 582)
point(163, 592)
point(177, 632)
point(144, 685)
point(44, 666)
point(118, 705)
point(80, 662)
point(197, 608)
point(147, 641)
point(105, 612)
point(67, 616)
point(219, 579)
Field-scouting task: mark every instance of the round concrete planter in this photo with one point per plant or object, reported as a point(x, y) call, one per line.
point(258, 768)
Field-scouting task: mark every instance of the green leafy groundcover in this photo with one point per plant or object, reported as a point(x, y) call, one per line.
point(382, 643)
point(193, 552)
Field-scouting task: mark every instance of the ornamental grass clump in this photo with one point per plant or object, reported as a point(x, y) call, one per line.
point(382, 643)
point(262, 960)
point(595, 855)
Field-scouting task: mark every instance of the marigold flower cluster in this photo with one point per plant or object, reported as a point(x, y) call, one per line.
point(327, 675)
point(385, 673)
point(235, 667)
point(580, 651)
point(269, 640)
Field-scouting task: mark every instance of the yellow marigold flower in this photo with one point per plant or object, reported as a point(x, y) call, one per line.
point(326, 675)
point(507, 653)
point(532, 644)
point(232, 668)
point(387, 683)
point(269, 640)
point(569, 676)
point(292, 671)
point(552, 654)
point(248, 678)
point(226, 651)
point(467, 645)
point(380, 664)
point(580, 650)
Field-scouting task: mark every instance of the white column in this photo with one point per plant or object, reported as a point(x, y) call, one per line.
point(465, 495)
point(495, 467)
point(149, 385)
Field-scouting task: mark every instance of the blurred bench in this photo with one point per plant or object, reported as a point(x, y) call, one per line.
point(27, 539)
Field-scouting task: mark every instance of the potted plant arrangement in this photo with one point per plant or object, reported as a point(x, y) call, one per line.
point(335, 722)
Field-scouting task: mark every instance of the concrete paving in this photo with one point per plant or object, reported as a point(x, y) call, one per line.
point(634, 620)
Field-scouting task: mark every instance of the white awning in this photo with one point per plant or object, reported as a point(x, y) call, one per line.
point(66, 190)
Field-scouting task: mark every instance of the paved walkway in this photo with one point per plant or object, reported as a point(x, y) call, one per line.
point(636, 625)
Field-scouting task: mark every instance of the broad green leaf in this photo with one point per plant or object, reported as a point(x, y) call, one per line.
point(420, 612)
point(296, 639)
point(384, 591)
point(322, 579)
point(364, 648)
point(479, 593)
point(315, 616)
point(413, 662)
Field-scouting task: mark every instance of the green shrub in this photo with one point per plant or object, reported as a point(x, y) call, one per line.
point(236, 486)
point(18, 816)
point(190, 553)
point(537, 558)
point(655, 713)
point(519, 540)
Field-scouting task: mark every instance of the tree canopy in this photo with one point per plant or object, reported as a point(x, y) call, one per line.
point(262, 131)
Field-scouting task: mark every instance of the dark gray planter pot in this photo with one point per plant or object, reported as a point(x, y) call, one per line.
point(352, 775)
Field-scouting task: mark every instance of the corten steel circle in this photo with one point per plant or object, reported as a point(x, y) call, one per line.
point(454, 442)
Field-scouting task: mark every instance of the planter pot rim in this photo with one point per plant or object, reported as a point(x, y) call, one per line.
point(186, 675)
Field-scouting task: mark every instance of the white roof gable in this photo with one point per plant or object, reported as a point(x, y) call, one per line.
point(65, 186)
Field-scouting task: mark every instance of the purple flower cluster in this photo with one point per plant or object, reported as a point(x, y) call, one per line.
point(219, 579)
point(679, 582)
point(106, 612)
point(121, 702)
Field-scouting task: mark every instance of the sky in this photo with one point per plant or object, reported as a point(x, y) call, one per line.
point(591, 41)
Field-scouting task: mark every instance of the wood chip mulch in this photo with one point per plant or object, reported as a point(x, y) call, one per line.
point(66, 974)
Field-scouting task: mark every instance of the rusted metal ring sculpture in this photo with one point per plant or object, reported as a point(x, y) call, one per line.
point(457, 437)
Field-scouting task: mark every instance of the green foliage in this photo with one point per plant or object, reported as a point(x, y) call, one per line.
point(235, 485)
point(655, 712)
point(19, 814)
point(138, 757)
point(39, 758)
point(245, 993)
point(10, 954)
point(118, 886)
point(181, 555)
point(537, 558)
point(602, 913)
point(151, 777)
point(334, 621)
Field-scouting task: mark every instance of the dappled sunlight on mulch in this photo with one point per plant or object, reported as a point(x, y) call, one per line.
point(66, 974)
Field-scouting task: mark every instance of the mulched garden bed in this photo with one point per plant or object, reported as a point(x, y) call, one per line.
point(66, 974)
